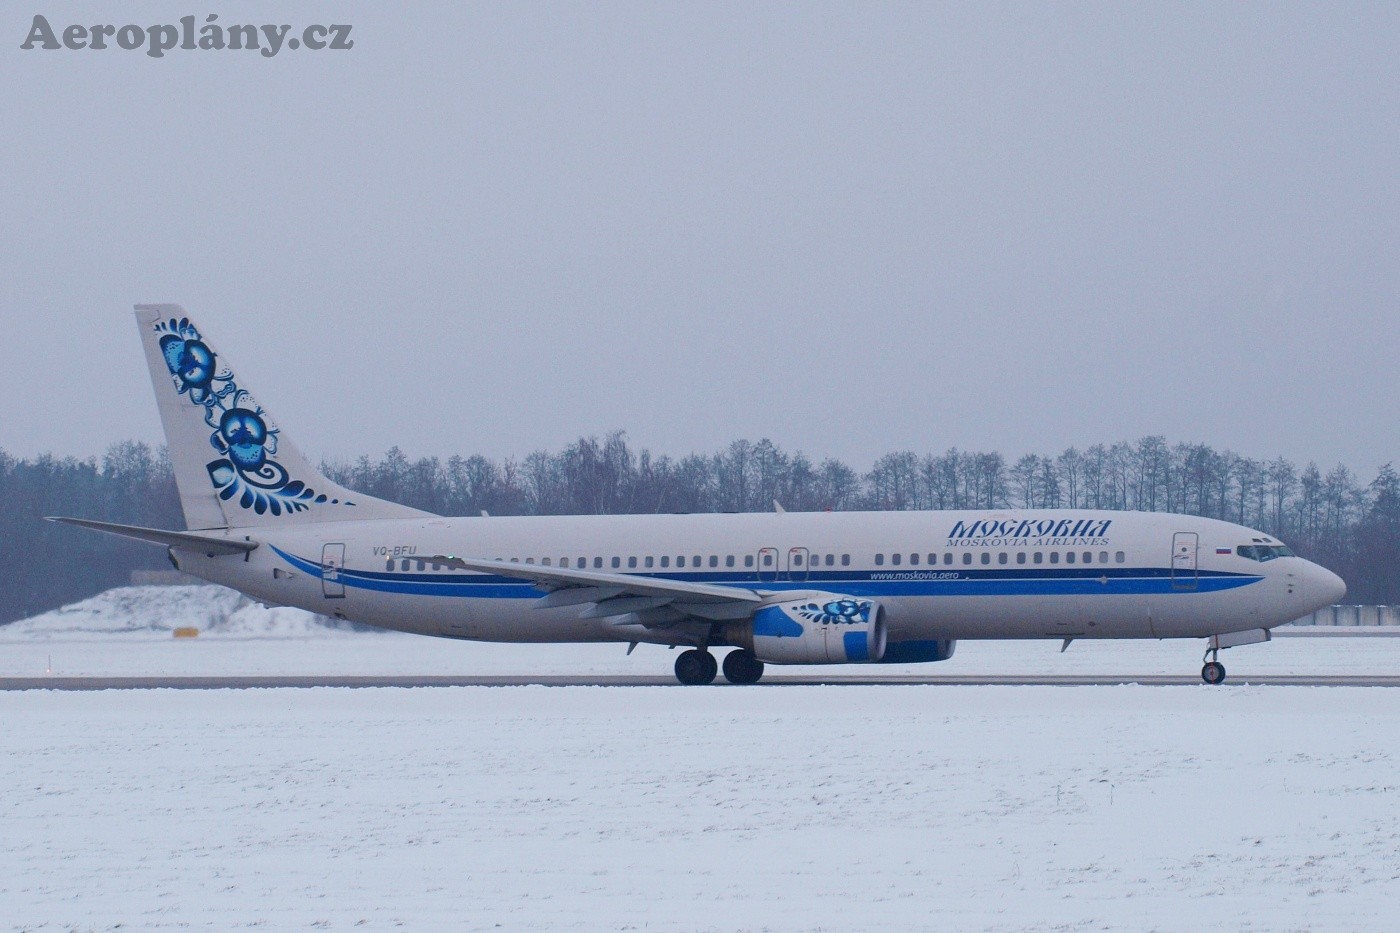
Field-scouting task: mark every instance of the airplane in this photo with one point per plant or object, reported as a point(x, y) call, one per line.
point(775, 588)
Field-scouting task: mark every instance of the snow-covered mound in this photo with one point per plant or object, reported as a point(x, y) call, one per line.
point(159, 610)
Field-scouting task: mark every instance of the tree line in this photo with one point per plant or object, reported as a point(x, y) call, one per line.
point(1334, 517)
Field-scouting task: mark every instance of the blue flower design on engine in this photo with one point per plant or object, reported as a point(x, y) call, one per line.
point(837, 612)
point(247, 472)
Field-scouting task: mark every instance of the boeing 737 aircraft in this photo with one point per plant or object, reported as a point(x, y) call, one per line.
point(777, 588)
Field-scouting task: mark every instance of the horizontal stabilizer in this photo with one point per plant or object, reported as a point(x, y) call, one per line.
point(181, 539)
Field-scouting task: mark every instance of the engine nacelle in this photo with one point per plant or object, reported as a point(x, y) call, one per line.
point(916, 652)
point(820, 628)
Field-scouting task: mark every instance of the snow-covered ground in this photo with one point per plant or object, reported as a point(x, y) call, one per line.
point(801, 808)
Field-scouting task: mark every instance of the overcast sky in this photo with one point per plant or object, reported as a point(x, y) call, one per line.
point(849, 228)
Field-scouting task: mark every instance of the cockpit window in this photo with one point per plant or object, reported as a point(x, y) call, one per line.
point(1264, 552)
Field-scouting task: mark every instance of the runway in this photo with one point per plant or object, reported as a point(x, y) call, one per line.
point(614, 680)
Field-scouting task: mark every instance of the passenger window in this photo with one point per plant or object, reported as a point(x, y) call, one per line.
point(617, 563)
point(797, 560)
point(650, 561)
point(1119, 557)
point(845, 560)
point(1020, 557)
point(1037, 558)
point(582, 563)
point(695, 561)
point(947, 559)
point(513, 560)
point(767, 559)
point(1088, 557)
point(1001, 557)
point(563, 562)
point(1069, 557)
point(546, 562)
point(714, 560)
point(748, 560)
point(597, 563)
point(967, 557)
point(879, 560)
point(680, 561)
point(729, 560)
point(631, 563)
point(390, 564)
point(913, 560)
point(986, 557)
point(665, 560)
point(1103, 557)
point(895, 559)
point(1054, 557)
point(831, 560)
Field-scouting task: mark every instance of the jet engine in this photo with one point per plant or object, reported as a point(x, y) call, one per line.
point(820, 628)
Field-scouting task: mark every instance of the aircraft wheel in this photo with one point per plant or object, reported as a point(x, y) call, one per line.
point(741, 667)
point(695, 667)
point(1213, 672)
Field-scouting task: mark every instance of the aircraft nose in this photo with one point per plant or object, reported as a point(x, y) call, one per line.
point(1325, 586)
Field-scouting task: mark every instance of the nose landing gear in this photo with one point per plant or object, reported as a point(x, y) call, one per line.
point(1213, 672)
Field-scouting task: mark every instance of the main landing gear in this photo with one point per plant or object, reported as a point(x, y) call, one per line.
point(697, 666)
point(741, 667)
point(1213, 672)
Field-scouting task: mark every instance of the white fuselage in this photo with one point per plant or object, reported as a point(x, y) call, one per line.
point(939, 575)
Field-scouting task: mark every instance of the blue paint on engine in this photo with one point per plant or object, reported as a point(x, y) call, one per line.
point(772, 622)
point(857, 646)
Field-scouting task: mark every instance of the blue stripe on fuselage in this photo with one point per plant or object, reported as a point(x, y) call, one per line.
point(1083, 581)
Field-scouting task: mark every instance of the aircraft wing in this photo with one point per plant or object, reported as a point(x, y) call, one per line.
point(209, 544)
point(631, 599)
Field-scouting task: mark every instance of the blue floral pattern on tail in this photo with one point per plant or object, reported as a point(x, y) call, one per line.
point(247, 471)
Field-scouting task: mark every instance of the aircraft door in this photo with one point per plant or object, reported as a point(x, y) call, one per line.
point(1185, 573)
point(332, 563)
point(797, 561)
point(767, 564)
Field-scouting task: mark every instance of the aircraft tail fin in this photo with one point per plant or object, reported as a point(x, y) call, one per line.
point(234, 467)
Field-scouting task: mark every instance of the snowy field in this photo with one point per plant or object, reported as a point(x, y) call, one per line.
point(793, 808)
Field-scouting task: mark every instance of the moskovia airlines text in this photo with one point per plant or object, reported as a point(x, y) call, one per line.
point(186, 35)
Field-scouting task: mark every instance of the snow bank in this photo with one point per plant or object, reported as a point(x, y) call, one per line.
point(159, 610)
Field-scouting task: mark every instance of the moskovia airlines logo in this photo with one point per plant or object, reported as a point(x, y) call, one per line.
point(1044, 532)
point(166, 37)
